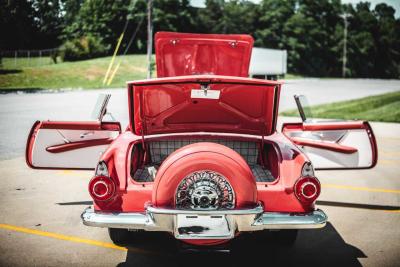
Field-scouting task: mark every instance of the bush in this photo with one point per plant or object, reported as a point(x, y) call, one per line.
point(83, 48)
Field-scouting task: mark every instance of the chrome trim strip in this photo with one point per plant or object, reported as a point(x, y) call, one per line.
point(164, 220)
point(277, 220)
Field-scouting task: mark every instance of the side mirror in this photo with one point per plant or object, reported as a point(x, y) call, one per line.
point(100, 108)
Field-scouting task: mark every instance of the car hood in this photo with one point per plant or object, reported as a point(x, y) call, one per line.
point(180, 54)
point(206, 103)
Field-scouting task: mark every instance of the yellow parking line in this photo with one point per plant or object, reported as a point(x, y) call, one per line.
point(389, 153)
point(393, 211)
point(74, 173)
point(361, 188)
point(61, 237)
point(388, 162)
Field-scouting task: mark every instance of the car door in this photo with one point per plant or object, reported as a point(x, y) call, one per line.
point(333, 144)
point(69, 144)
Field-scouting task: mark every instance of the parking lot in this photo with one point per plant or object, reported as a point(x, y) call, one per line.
point(40, 220)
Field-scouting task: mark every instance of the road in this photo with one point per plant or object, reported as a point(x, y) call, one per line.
point(39, 215)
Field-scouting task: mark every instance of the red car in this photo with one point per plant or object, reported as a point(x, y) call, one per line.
point(201, 157)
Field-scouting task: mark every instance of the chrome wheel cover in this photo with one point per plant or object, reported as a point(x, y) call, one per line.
point(204, 190)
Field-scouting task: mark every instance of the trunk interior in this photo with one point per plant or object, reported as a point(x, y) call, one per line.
point(146, 161)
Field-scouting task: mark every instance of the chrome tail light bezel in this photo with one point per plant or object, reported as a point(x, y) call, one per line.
point(301, 184)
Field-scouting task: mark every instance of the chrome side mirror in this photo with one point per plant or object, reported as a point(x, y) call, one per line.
point(303, 107)
point(100, 108)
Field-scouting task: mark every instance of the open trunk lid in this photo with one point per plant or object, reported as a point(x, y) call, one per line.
point(180, 54)
point(205, 103)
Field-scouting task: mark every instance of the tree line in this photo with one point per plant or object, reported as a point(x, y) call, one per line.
point(311, 31)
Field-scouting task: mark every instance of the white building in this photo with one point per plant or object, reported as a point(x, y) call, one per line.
point(268, 63)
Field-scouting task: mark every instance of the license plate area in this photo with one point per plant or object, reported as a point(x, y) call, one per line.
point(202, 227)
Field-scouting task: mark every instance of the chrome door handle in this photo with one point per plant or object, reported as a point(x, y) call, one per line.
point(86, 134)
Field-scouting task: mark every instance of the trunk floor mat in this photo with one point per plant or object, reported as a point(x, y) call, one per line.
point(146, 174)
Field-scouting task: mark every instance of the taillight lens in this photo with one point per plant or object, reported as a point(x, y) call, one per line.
point(101, 188)
point(307, 189)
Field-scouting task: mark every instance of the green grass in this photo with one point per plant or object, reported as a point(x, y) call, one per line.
point(81, 74)
point(385, 108)
point(42, 73)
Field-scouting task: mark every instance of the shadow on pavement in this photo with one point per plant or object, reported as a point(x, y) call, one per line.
point(75, 203)
point(356, 205)
point(320, 247)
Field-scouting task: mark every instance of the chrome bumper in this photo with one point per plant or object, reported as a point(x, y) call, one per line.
point(190, 224)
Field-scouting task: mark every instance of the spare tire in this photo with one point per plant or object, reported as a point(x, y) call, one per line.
point(204, 176)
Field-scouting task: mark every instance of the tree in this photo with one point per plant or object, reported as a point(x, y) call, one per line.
point(272, 16)
point(311, 31)
point(49, 22)
point(70, 9)
point(101, 19)
point(309, 36)
point(387, 64)
point(361, 44)
point(17, 25)
point(34, 24)
point(227, 17)
point(173, 15)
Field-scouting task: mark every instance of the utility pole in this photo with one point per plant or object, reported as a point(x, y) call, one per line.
point(344, 59)
point(149, 37)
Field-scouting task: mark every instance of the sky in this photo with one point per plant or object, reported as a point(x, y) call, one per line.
point(394, 3)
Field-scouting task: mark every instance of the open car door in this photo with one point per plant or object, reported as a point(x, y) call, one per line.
point(333, 144)
point(71, 144)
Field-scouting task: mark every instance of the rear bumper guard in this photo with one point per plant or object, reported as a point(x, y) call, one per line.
point(194, 224)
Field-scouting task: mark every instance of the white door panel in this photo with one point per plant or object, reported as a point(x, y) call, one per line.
point(71, 148)
point(343, 148)
point(358, 139)
point(86, 157)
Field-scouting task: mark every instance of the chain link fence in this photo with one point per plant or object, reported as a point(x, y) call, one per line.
point(18, 59)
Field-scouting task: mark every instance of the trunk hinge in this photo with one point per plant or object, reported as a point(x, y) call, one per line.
point(142, 126)
point(264, 128)
point(144, 145)
point(262, 145)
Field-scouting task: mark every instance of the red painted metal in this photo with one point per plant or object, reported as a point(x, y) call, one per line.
point(326, 126)
point(244, 106)
point(81, 125)
point(29, 144)
point(77, 145)
point(324, 145)
point(180, 54)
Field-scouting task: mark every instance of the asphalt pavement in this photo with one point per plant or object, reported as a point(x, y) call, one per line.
point(39, 215)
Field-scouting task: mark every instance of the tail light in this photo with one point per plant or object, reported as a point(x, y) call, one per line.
point(307, 189)
point(101, 188)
